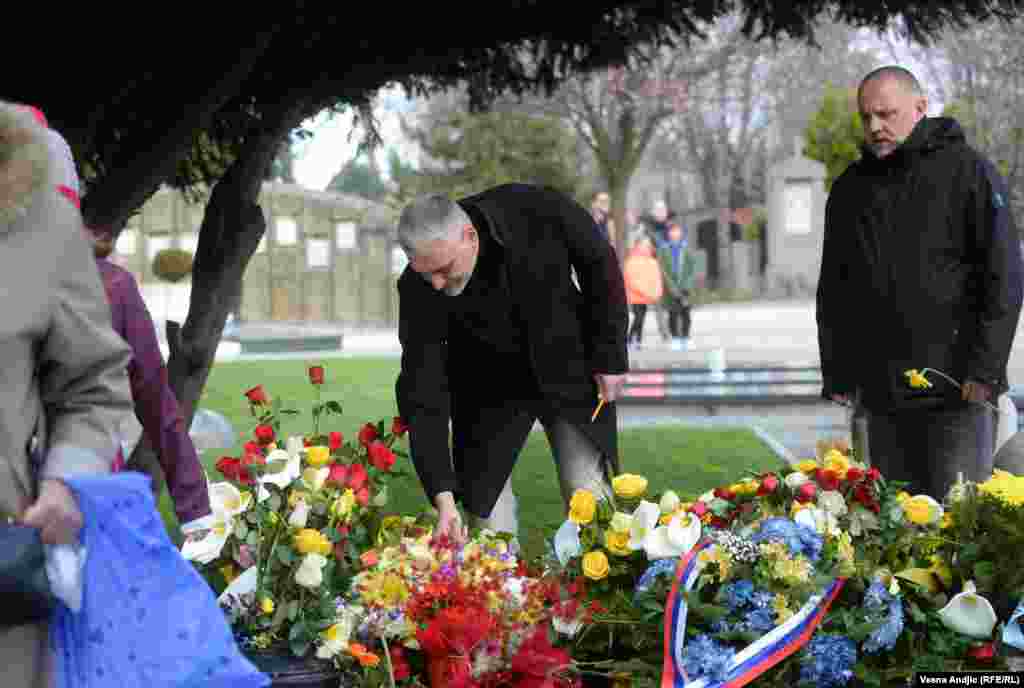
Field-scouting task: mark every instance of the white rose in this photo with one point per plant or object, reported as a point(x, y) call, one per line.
point(669, 502)
point(568, 628)
point(832, 502)
point(300, 514)
point(310, 573)
point(795, 480)
point(621, 522)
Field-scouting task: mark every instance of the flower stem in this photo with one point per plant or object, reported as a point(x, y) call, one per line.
point(958, 385)
point(387, 658)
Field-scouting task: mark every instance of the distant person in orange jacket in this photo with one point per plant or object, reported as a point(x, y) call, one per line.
point(643, 285)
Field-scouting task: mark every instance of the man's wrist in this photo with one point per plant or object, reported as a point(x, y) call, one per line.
point(444, 499)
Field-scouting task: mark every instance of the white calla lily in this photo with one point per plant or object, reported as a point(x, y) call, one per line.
point(300, 515)
point(669, 502)
point(645, 520)
point(567, 542)
point(969, 613)
point(226, 499)
point(289, 468)
point(673, 540)
point(315, 478)
point(207, 548)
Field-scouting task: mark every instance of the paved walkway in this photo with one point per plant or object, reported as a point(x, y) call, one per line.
point(755, 333)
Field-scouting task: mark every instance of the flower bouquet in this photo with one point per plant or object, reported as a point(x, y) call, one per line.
point(453, 615)
point(296, 521)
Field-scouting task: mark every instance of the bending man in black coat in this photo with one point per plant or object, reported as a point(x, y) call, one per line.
point(921, 269)
point(496, 334)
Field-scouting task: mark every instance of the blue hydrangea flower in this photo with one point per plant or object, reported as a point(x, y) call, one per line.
point(703, 657)
point(879, 602)
point(759, 621)
point(762, 600)
point(798, 538)
point(829, 661)
point(739, 594)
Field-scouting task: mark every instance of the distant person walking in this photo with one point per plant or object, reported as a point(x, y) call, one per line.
point(656, 227)
point(600, 209)
point(679, 270)
point(643, 286)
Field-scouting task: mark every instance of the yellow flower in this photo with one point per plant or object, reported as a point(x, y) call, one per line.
point(836, 461)
point(921, 510)
point(720, 556)
point(229, 572)
point(1006, 486)
point(902, 497)
point(310, 541)
point(392, 590)
point(343, 505)
point(629, 486)
point(595, 565)
point(946, 521)
point(582, 507)
point(318, 456)
point(267, 605)
point(797, 507)
point(807, 466)
point(792, 570)
point(781, 607)
point(747, 486)
point(296, 496)
point(917, 380)
point(390, 522)
point(847, 556)
point(617, 543)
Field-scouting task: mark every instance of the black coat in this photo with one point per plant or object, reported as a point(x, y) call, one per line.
point(571, 334)
point(921, 268)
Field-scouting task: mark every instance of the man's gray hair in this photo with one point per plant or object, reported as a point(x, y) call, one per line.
point(903, 75)
point(429, 218)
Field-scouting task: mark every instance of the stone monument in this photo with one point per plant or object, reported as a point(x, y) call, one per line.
point(796, 223)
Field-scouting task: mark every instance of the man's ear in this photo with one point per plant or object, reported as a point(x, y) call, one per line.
point(922, 106)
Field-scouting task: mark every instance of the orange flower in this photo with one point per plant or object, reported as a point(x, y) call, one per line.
point(362, 655)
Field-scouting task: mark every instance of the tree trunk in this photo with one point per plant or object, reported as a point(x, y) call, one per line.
point(618, 192)
point(230, 233)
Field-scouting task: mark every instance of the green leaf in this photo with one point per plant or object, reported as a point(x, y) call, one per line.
point(241, 530)
point(299, 639)
point(333, 407)
point(285, 556)
point(253, 539)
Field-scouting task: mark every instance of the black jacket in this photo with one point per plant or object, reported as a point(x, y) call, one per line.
point(921, 268)
point(570, 333)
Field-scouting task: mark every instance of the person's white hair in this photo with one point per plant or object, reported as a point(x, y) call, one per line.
point(430, 218)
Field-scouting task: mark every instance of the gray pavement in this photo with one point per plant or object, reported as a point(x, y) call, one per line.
point(753, 333)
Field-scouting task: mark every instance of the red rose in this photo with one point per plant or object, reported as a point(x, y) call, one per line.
point(232, 469)
point(264, 434)
point(698, 509)
point(363, 496)
point(854, 474)
point(719, 523)
point(399, 664)
point(874, 474)
point(367, 434)
point(381, 457)
point(369, 558)
point(806, 492)
point(983, 652)
point(335, 440)
point(316, 375)
point(251, 448)
point(725, 493)
point(357, 476)
point(257, 396)
point(862, 494)
point(769, 483)
point(398, 427)
point(338, 474)
point(828, 480)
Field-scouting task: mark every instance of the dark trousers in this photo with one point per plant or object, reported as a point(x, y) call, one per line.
point(636, 330)
point(679, 320)
point(928, 448)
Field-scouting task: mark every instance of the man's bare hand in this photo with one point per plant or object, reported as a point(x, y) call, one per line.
point(843, 399)
point(976, 392)
point(55, 514)
point(449, 521)
point(609, 386)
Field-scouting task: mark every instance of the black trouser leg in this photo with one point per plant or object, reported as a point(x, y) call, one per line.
point(687, 321)
point(636, 331)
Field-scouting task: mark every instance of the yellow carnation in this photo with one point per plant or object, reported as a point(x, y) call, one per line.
point(918, 511)
point(807, 466)
point(836, 461)
point(917, 380)
point(1006, 486)
point(617, 543)
point(267, 605)
point(310, 541)
point(582, 507)
point(318, 456)
point(629, 486)
point(595, 565)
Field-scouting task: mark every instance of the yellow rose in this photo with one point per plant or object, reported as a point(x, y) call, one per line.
point(582, 507)
point(836, 461)
point(343, 505)
point(917, 380)
point(318, 456)
point(617, 543)
point(310, 541)
point(595, 565)
point(745, 487)
point(807, 466)
point(267, 605)
point(921, 510)
point(629, 486)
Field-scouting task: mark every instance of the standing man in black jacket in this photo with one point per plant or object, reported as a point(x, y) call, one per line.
point(495, 335)
point(921, 269)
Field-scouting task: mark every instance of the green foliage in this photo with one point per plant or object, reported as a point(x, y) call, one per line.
point(477, 151)
point(359, 178)
point(834, 134)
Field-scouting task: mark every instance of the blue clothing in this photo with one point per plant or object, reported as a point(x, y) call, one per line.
point(148, 618)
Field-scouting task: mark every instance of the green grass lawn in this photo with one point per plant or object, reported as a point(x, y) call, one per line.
point(687, 460)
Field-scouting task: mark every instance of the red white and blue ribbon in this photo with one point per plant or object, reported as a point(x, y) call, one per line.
point(756, 658)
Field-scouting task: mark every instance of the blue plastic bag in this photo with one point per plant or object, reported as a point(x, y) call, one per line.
point(148, 618)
